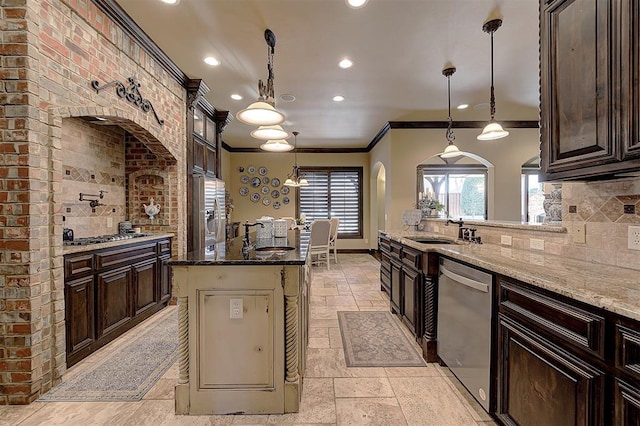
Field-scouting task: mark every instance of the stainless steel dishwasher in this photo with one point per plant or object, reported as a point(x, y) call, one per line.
point(464, 326)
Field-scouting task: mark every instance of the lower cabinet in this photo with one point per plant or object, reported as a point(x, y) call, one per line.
point(406, 286)
point(411, 284)
point(627, 403)
point(396, 287)
point(108, 291)
point(544, 385)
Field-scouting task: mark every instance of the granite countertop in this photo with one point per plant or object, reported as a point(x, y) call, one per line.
point(612, 288)
point(230, 252)
point(91, 247)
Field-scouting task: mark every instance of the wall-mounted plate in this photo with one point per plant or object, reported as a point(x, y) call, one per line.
point(255, 197)
point(256, 182)
point(276, 205)
point(285, 200)
point(262, 171)
point(244, 191)
point(275, 182)
point(266, 201)
point(251, 170)
point(275, 193)
point(284, 190)
point(265, 190)
point(244, 179)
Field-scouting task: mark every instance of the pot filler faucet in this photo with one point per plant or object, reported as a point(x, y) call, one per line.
point(246, 243)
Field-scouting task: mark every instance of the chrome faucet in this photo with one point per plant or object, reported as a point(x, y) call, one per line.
point(246, 243)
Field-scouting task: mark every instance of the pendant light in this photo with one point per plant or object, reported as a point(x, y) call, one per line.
point(263, 112)
point(270, 132)
point(276, 145)
point(492, 130)
point(294, 179)
point(451, 150)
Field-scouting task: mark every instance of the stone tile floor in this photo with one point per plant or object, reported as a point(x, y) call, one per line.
point(334, 394)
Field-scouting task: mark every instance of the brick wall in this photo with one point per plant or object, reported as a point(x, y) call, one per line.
point(50, 50)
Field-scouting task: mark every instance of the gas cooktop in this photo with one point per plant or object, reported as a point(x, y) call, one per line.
point(102, 239)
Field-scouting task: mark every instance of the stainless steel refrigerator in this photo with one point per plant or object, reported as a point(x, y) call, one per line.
point(209, 218)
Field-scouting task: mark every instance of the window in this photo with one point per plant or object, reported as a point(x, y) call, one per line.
point(461, 189)
point(333, 192)
point(532, 193)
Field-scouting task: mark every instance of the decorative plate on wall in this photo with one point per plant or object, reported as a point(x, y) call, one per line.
point(244, 191)
point(285, 200)
point(240, 169)
point(266, 201)
point(284, 190)
point(255, 197)
point(265, 190)
point(275, 182)
point(251, 170)
point(256, 181)
point(244, 179)
point(275, 193)
point(263, 171)
point(276, 205)
point(265, 180)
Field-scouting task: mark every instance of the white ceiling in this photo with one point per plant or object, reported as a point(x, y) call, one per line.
point(399, 48)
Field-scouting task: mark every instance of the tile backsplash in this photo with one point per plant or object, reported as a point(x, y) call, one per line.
point(604, 209)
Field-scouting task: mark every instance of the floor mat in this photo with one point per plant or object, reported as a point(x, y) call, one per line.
point(129, 371)
point(373, 339)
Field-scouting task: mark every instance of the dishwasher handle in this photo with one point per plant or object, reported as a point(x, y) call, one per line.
point(464, 280)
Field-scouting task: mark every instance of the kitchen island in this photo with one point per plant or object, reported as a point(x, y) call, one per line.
point(242, 326)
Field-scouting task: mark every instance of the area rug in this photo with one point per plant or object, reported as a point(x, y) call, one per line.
point(129, 371)
point(374, 339)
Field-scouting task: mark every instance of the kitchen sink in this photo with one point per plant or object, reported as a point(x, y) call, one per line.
point(423, 240)
point(281, 248)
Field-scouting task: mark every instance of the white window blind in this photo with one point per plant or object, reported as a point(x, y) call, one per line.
point(333, 192)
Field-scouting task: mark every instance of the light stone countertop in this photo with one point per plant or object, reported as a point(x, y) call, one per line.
point(612, 288)
point(90, 247)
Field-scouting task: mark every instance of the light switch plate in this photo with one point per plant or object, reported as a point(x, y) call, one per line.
point(579, 232)
point(634, 238)
point(505, 240)
point(109, 222)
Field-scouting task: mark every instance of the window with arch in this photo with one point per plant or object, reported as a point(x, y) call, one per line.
point(532, 192)
point(462, 189)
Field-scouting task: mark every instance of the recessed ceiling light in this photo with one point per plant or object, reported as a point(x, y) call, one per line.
point(463, 106)
point(210, 60)
point(356, 4)
point(345, 63)
point(236, 97)
point(287, 97)
point(338, 98)
point(171, 2)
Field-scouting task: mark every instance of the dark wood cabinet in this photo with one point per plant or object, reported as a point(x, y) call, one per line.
point(561, 361)
point(429, 300)
point(384, 248)
point(114, 299)
point(590, 95)
point(544, 385)
point(108, 291)
point(411, 284)
point(396, 287)
point(79, 313)
point(146, 287)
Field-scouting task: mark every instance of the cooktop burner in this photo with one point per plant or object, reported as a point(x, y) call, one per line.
point(102, 239)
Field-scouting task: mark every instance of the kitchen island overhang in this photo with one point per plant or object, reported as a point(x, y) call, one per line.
point(243, 327)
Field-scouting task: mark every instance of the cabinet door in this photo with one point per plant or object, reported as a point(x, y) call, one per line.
point(114, 299)
point(630, 86)
point(396, 287)
point(199, 157)
point(411, 282)
point(79, 314)
point(576, 80)
point(164, 278)
point(385, 272)
point(540, 384)
point(211, 155)
point(627, 404)
point(145, 286)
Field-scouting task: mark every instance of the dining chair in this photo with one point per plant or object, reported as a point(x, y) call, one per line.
point(319, 241)
point(333, 236)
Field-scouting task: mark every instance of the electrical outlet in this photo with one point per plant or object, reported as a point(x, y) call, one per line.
point(634, 238)
point(436, 228)
point(235, 308)
point(505, 240)
point(579, 232)
point(535, 244)
point(109, 222)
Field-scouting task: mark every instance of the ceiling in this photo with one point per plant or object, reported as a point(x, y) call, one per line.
point(399, 48)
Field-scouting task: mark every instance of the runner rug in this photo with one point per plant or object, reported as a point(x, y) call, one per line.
point(129, 371)
point(374, 339)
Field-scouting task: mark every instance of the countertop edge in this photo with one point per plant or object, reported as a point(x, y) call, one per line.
point(92, 247)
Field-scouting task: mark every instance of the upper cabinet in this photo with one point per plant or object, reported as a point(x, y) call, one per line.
point(590, 95)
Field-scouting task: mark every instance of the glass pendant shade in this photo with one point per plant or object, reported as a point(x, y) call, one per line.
point(492, 131)
point(290, 182)
point(270, 132)
point(276, 145)
point(260, 114)
point(451, 151)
